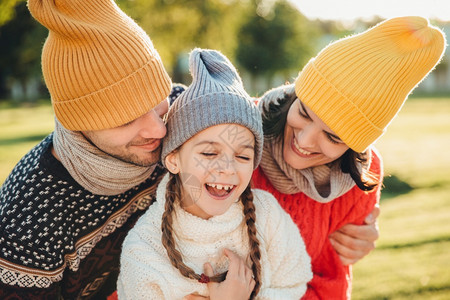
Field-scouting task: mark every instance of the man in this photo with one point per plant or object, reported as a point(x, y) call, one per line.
point(68, 204)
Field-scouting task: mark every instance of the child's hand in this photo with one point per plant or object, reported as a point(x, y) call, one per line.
point(238, 284)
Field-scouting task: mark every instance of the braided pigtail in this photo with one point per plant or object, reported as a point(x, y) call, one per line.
point(173, 193)
point(255, 253)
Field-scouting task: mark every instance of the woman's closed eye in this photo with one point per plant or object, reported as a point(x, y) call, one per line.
point(334, 139)
point(302, 112)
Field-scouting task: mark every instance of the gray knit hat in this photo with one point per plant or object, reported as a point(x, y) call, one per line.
point(215, 96)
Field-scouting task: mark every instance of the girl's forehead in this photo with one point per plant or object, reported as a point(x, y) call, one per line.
point(225, 134)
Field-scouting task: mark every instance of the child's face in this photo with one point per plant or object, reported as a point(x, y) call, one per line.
point(308, 141)
point(215, 167)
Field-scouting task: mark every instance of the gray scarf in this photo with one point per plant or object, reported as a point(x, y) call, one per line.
point(93, 169)
point(322, 183)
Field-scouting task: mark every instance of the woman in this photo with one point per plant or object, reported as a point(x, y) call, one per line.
point(319, 161)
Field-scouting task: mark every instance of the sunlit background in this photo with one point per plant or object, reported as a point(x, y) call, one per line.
point(349, 10)
point(269, 41)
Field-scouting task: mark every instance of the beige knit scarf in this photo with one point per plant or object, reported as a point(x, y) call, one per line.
point(93, 169)
point(322, 183)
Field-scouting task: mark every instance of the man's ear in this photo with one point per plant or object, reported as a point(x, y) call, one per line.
point(171, 161)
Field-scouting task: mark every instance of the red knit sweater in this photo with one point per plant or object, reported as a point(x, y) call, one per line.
point(317, 221)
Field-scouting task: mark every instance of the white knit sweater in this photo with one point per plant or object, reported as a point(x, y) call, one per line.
point(146, 272)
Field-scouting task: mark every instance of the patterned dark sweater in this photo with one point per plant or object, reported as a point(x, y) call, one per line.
point(58, 240)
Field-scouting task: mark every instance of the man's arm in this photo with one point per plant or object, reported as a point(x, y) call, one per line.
point(353, 242)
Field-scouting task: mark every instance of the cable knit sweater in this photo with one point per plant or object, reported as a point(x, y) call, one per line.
point(146, 272)
point(317, 221)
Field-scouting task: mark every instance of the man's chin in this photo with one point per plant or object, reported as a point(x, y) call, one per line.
point(148, 161)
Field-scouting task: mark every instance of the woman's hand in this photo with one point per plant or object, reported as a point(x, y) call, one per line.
point(238, 284)
point(353, 242)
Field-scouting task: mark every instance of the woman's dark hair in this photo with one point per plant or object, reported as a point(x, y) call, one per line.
point(274, 118)
point(173, 194)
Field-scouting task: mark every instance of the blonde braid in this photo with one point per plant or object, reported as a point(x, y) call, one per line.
point(173, 194)
point(255, 253)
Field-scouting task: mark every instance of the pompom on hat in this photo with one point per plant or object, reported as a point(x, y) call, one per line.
point(100, 67)
point(358, 84)
point(215, 96)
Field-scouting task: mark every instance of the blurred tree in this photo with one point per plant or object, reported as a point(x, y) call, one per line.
point(21, 40)
point(177, 26)
point(275, 39)
point(7, 10)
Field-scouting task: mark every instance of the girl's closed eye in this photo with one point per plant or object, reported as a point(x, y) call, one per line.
point(208, 154)
point(243, 157)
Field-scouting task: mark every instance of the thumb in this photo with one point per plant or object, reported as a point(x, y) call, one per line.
point(207, 268)
point(373, 215)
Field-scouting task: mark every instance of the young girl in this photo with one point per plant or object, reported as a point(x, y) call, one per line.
point(208, 233)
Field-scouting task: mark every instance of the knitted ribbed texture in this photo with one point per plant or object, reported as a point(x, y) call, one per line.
point(317, 221)
point(95, 170)
point(358, 84)
point(146, 271)
point(100, 67)
point(215, 96)
point(323, 183)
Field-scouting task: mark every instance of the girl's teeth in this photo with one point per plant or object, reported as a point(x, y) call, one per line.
point(220, 186)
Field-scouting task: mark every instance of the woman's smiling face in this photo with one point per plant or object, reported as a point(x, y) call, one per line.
point(308, 141)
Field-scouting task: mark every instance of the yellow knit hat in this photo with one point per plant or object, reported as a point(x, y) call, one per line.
point(358, 84)
point(100, 67)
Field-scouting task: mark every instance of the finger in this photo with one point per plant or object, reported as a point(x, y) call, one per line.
point(234, 262)
point(346, 261)
point(360, 232)
point(248, 273)
point(207, 268)
point(373, 216)
point(252, 286)
point(364, 243)
point(348, 255)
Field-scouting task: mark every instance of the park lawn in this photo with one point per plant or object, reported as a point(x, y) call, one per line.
point(412, 260)
point(21, 129)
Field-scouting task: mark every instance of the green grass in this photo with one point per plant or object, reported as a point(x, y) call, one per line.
point(21, 128)
point(412, 258)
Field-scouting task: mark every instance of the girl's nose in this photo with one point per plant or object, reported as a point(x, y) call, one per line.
point(225, 165)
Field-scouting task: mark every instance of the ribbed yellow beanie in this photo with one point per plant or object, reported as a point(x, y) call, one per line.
point(100, 67)
point(358, 84)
